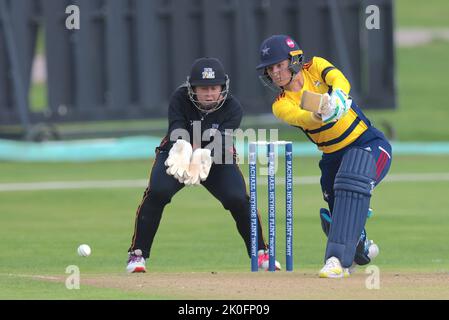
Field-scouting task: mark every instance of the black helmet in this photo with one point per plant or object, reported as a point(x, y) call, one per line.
point(207, 72)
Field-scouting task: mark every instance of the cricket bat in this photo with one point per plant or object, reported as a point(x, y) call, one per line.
point(313, 102)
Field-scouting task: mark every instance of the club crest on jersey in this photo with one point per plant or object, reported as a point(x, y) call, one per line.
point(208, 73)
point(317, 83)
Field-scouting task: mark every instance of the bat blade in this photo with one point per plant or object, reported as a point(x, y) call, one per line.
point(312, 101)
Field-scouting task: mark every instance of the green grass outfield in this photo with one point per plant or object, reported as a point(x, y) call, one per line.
point(416, 13)
point(42, 229)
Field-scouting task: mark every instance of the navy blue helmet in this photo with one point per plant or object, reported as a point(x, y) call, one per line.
point(275, 49)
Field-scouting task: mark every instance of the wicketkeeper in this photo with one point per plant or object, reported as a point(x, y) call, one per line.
point(181, 160)
point(356, 156)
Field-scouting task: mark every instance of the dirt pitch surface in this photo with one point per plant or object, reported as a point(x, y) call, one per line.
point(282, 285)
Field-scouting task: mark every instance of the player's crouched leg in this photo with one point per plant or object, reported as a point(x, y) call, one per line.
point(238, 205)
point(159, 193)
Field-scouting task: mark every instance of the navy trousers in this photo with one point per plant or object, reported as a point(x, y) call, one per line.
point(330, 163)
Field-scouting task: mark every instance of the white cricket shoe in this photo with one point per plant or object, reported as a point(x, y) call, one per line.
point(333, 269)
point(136, 263)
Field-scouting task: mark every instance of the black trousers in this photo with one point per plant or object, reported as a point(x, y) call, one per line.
point(225, 182)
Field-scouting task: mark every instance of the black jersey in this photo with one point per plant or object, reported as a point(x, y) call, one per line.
point(182, 114)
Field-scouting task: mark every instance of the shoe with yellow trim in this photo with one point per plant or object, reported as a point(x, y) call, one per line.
point(333, 269)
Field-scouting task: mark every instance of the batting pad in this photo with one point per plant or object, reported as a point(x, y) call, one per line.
point(353, 186)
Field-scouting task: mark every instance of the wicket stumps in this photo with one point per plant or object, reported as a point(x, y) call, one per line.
point(271, 154)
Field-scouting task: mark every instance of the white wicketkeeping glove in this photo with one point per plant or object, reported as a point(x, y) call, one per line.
point(338, 105)
point(178, 160)
point(199, 168)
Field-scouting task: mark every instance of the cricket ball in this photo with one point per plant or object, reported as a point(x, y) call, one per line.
point(84, 250)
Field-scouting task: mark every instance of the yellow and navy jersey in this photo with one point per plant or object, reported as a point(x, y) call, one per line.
point(321, 76)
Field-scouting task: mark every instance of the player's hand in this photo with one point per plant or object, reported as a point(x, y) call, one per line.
point(199, 168)
point(178, 160)
point(338, 105)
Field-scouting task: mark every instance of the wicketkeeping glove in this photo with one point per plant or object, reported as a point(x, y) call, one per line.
point(338, 105)
point(199, 168)
point(178, 160)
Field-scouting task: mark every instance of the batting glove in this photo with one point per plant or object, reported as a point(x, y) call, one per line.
point(338, 105)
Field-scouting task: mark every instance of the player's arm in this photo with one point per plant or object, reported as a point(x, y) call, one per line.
point(177, 119)
point(180, 148)
point(289, 112)
point(338, 103)
point(332, 76)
